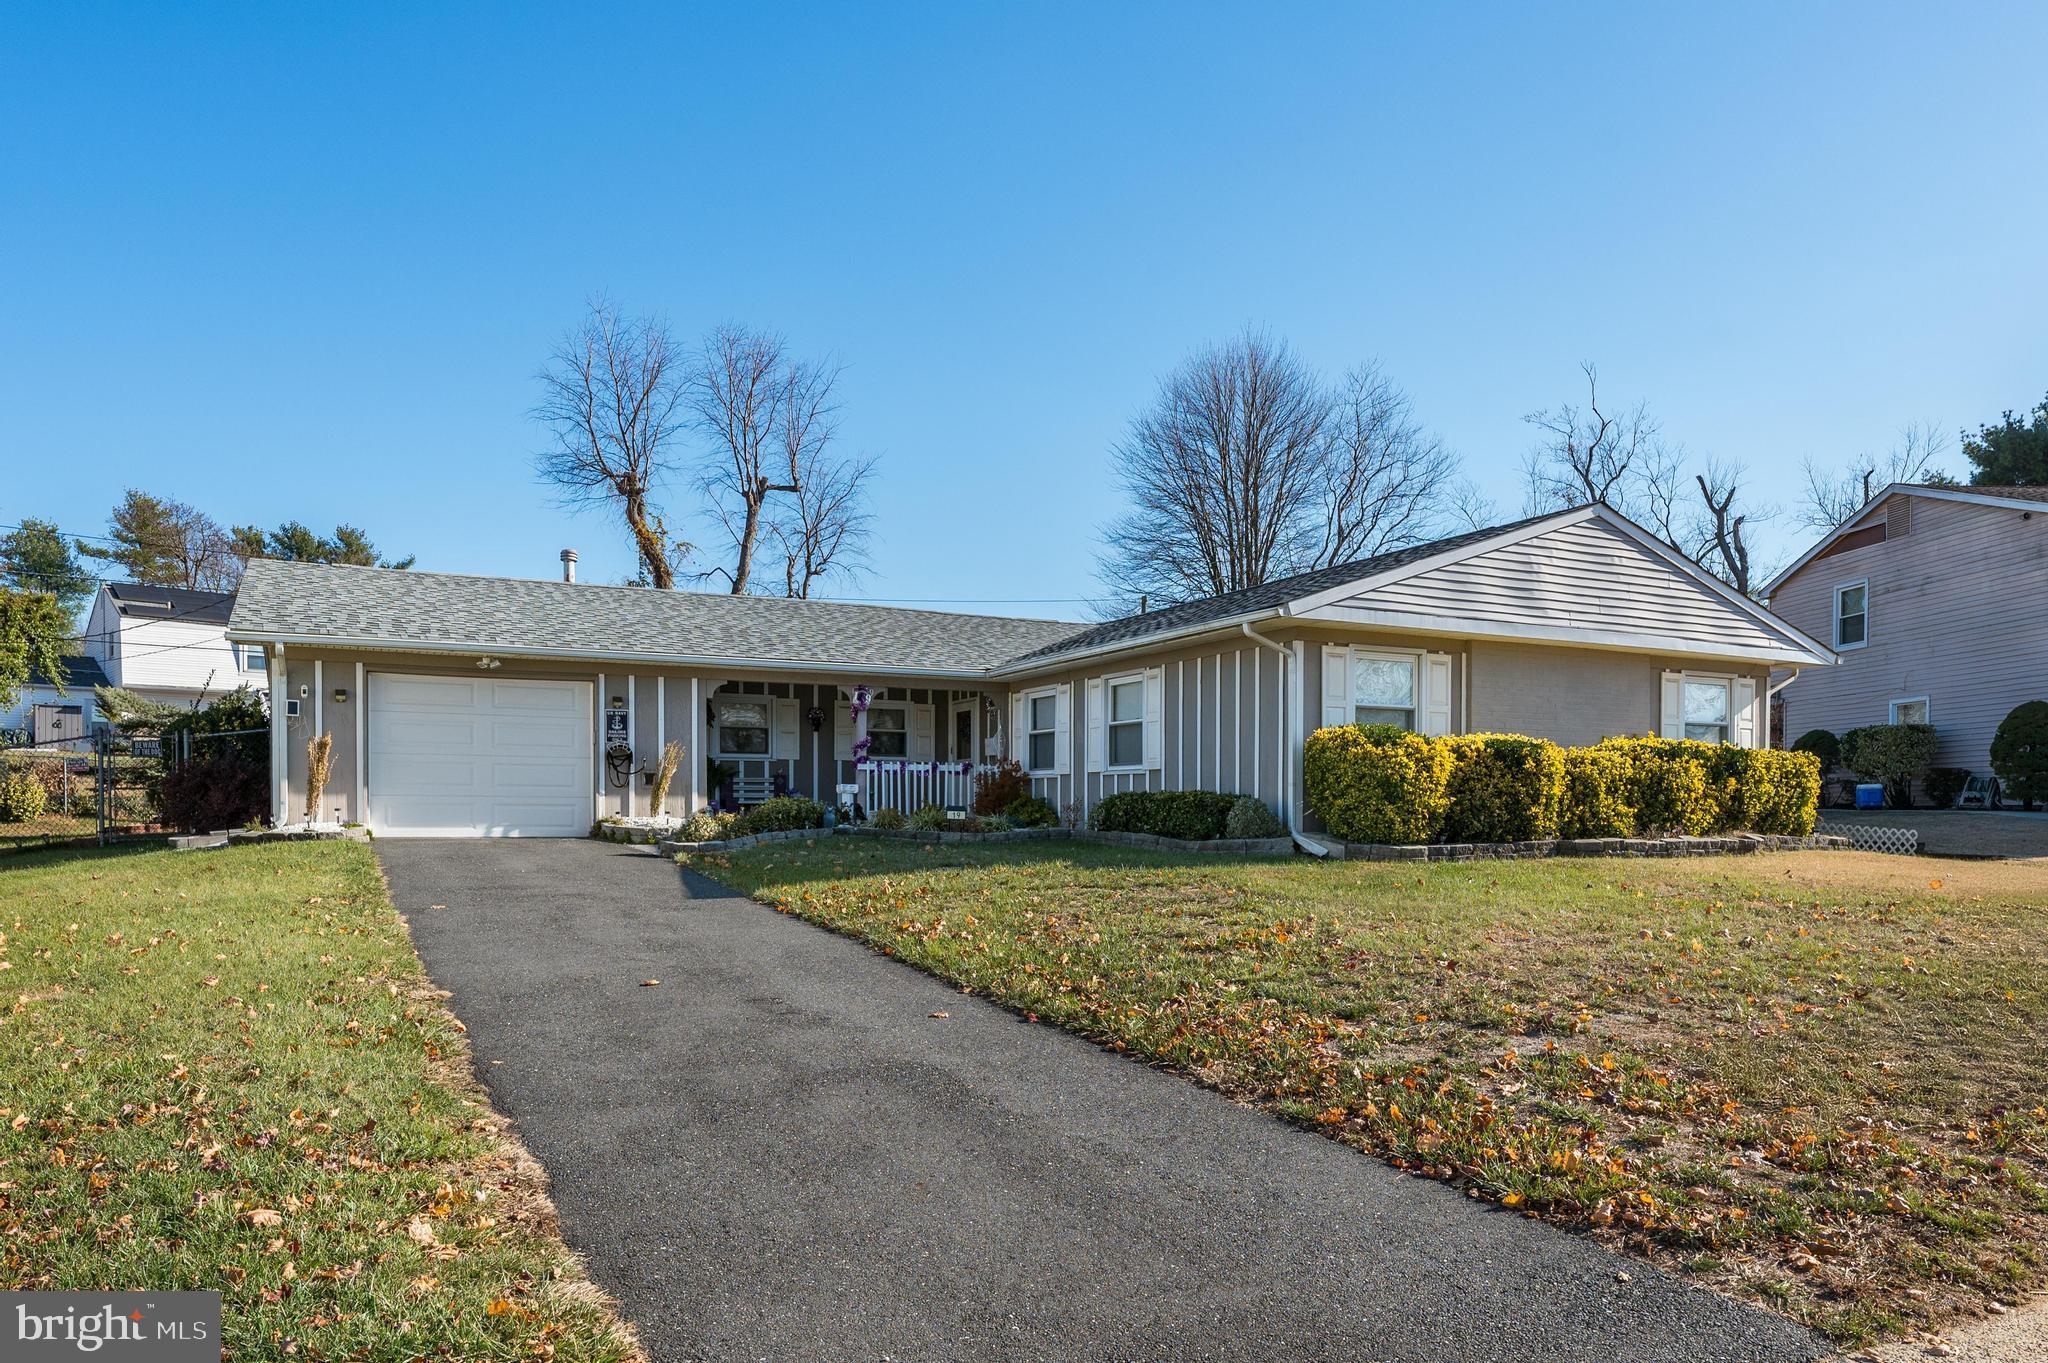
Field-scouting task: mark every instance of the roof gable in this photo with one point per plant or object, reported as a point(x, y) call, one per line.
point(2024, 499)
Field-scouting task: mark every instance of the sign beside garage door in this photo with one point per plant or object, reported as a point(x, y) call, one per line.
point(461, 757)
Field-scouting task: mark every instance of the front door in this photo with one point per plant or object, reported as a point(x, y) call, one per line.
point(963, 732)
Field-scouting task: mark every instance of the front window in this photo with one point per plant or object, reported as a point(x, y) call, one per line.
point(1127, 723)
point(1706, 711)
point(888, 731)
point(1914, 711)
point(1852, 615)
point(1041, 716)
point(743, 728)
point(1382, 689)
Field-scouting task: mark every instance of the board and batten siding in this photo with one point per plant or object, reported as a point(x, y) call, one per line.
point(1221, 725)
point(1587, 576)
point(1955, 615)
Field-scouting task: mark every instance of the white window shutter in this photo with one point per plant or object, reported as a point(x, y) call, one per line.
point(1743, 702)
point(1436, 694)
point(786, 743)
point(1336, 685)
point(1014, 742)
point(1155, 721)
point(922, 747)
point(1098, 741)
point(1672, 710)
point(1063, 754)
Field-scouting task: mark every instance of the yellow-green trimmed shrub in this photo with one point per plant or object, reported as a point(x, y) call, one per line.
point(1668, 784)
point(1502, 788)
point(1761, 790)
point(1376, 783)
point(1598, 794)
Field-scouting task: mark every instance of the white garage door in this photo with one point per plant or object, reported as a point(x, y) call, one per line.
point(456, 757)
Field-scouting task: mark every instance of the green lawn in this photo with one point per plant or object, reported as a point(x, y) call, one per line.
point(1816, 1080)
point(227, 1070)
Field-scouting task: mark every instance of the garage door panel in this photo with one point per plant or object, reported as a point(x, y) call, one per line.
point(456, 757)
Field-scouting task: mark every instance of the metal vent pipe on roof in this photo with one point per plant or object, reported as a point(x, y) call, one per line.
point(568, 565)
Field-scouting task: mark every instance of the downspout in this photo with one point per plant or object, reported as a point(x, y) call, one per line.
point(1287, 755)
point(1770, 694)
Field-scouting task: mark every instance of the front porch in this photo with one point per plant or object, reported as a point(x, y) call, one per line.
point(870, 745)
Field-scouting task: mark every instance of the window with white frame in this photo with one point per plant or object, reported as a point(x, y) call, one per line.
point(1127, 722)
point(742, 727)
point(888, 731)
point(1912, 710)
point(1383, 687)
point(1706, 709)
point(1852, 615)
point(1041, 734)
point(253, 659)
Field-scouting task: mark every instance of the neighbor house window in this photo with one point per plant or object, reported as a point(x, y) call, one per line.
point(743, 728)
point(253, 659)
point(888, 731)
point(1852, 615)
point(1706, 710)
point(1913, 711)
point(1383, 689)
point(1127, 723)
point(1041, 716)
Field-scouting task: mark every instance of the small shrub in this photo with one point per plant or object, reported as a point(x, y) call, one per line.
point(1598, 791)
point(1943, 784)
point(1502, 788)
point(22, 797)
point(1376, 783)
point(1191, 815)
point(929, 818)
point(2019, 752)
point(1031, 812)
point(704, 826)
point(1823, 744)
point(1668, 784)
point(1761, 790)
point(889, 820)
point(783, 814)
point(1249, 817)
point(220, 791)
point(1001, 786)
point(1896, 754)
point(997, 823)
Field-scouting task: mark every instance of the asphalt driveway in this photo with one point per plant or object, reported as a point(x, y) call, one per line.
point(780, 1153)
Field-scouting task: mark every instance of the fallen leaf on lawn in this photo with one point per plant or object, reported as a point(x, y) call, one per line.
point(263, 1216)
point(421, 1230)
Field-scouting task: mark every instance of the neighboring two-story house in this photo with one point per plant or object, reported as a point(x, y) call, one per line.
point(170, 644)
point(1933, 597)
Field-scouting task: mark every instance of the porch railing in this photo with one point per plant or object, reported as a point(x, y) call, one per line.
point(894, 783)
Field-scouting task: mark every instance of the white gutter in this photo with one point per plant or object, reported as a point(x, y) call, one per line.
point(1770, 692)
point(1306, 843)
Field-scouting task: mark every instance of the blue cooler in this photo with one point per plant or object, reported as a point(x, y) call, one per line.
point(1870, 795)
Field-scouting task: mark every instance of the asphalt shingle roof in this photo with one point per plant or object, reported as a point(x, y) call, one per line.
point(1250, 600)
point(388, 606)
point(2018, 494)
point(80, 673)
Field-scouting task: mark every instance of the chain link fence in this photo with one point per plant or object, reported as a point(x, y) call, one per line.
point(107, 788)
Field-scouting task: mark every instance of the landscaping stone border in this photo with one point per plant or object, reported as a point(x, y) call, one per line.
point(1254, 847)
point(1717, 845)
point(239, 836)
point(633, 835)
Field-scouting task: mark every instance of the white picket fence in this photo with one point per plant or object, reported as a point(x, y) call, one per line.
point(894, 783)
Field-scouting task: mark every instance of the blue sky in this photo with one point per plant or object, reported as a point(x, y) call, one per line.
point(283, 261)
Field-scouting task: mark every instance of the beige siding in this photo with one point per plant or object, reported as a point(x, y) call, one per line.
point(1586, 577)
point(1956, 616)
point(1577, 696)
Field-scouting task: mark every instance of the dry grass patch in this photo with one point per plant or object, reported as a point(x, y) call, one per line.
point(1814, 1079)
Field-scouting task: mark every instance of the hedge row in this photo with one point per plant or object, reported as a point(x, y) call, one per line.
point(1378, 783)
point(1190, 815)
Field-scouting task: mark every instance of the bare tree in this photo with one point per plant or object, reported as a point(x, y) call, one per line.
point(767, 417)
point(610, 396)
point(1723, 525)
point(1833, 497)
point(1468, 507)
point(1592, 454)
point(1248, 467)
point(1383, 478)
point(824, 528)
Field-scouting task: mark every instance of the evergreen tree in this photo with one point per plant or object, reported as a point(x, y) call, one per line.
point(2014, 453)
point(35, 557)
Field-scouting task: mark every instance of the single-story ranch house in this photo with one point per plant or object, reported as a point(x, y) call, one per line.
point(464, 706)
